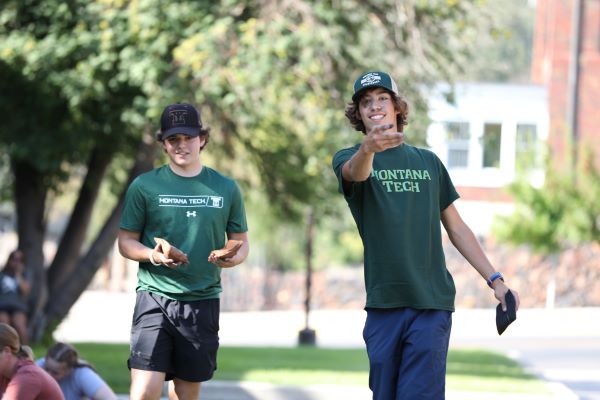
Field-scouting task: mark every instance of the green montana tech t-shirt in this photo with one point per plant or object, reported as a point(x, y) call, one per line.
point(193, 214)
point(397, 211)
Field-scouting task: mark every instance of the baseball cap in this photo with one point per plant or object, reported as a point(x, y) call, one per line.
point(374, 79)
point(180, 118)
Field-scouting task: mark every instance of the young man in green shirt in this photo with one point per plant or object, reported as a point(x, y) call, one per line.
point(398, 194)
point(196, 209)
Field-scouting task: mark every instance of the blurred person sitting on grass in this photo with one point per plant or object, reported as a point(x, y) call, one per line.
point(77, 378)
point(20, 377)
point(14, 289)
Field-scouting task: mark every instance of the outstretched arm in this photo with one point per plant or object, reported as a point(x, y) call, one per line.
point(463, 238)
point(358, 167)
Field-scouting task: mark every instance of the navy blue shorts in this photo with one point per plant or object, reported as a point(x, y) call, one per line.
point(407, 351)
point(179, 338)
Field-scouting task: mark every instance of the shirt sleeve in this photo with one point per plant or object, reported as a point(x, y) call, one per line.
point(448, 193)
point(134, 209)
point(237, 216)
point(339, 159)
point(87, 381)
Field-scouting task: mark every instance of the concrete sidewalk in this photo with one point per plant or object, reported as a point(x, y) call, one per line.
point(106, 317)
point(220, 390)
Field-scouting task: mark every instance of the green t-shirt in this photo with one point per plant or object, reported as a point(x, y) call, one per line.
point(397, 211)
point(191, 213)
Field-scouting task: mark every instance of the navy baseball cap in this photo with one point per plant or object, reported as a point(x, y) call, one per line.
point(374, 79)
point(180, 118)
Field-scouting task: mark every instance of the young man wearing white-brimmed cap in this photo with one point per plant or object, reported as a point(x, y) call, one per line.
point(398, 194)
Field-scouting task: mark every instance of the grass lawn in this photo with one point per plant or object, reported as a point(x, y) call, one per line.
point(468, 370)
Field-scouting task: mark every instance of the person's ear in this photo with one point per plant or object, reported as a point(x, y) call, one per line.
point(397, 108)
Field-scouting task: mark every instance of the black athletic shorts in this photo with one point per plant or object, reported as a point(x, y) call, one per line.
point(179, 338)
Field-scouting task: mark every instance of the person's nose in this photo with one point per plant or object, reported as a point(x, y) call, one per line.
point(180, 144)
point(375, 105)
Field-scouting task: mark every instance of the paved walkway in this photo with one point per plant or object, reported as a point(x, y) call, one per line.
point(216, 390)
point(106, 317)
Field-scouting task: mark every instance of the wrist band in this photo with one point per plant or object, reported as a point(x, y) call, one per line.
point(152, 258)
point(495, 275)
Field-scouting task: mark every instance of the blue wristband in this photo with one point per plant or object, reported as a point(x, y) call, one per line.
point(495, 275)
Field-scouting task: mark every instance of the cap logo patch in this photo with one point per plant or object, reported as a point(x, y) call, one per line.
point(370, 79)
point(178, 117)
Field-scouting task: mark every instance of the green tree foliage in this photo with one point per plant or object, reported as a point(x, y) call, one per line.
point(274, 81)
point(503, 53)
point(276, 75)
point(83, 83)
point(563, 212)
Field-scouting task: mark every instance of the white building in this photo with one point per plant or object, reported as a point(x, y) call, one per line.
point(487, 136)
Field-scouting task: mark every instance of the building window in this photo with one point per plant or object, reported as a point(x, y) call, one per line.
point(527, 153)
point(457, 139)
point(491, 145)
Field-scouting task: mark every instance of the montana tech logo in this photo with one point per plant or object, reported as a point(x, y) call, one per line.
point(173, 200)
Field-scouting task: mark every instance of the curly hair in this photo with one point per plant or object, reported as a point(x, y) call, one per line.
point(352, 112)
point(206, 133)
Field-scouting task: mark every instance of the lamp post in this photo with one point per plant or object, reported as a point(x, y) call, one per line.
point(307, 336)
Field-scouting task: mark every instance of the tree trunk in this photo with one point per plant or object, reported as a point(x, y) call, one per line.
point(30, 198)
point(69, 249)
point(64, 296)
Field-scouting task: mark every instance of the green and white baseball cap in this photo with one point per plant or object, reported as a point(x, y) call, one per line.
point(374, 79)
